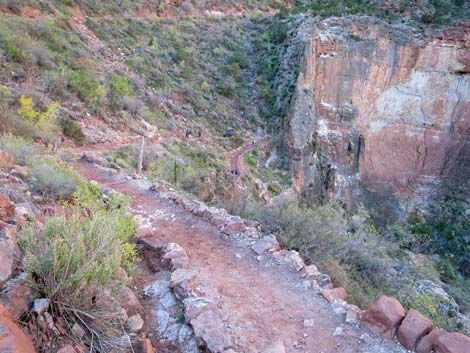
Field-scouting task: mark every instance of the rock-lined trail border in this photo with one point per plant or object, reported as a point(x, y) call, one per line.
point(240, 293)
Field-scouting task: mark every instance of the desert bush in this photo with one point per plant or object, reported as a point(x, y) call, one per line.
point(18, 147)
point(133, 105)
point(79, 256)
point(326, 236)
point(73, 130)
point(53, 178)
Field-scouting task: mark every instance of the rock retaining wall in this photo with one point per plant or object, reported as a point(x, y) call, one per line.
point(386, 316)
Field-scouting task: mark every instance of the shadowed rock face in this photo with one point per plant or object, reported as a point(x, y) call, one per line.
point(378, 110)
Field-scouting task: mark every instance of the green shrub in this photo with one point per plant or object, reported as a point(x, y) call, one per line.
point(53, 178)
point(79, 256)
point(73, 130)
point(12, 52)
point(88, 88)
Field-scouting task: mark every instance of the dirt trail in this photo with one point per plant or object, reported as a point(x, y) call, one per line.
point(262, 303)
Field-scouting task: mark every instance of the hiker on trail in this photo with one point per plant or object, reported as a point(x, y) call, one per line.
point(235, 171)
point(187, 133)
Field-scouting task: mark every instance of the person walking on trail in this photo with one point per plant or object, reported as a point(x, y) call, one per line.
point(187, 133)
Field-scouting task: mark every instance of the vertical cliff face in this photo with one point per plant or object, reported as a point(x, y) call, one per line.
point(379, 111)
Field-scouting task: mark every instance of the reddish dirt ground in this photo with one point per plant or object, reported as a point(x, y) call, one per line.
point(261, 302)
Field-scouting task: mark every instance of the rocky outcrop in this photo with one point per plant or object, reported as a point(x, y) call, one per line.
point(379, 113)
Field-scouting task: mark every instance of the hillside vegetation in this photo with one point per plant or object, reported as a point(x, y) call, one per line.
point(78, 77)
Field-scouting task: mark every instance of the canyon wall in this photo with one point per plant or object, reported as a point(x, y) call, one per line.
point(380, 114)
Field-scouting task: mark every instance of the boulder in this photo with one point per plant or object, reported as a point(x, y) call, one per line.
point(426, 344)
point(210, 332)
point(9, 254)
point(175, 257)
point(193, 307)
point(413, 327)
point(12, 339)
point(452, 343)
point(334, 294)
point(384, 316)
point(267, 243)
point(183, 282)
point(152, 244)
point(7, 208)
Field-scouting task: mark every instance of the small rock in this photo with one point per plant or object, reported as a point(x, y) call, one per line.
point(334, 294)
point(338, 331)
point(324, 281)
point(234, 227)
point(267, 243)
point(41, 305)
point(135, 323)
point(310, 272)
point(308, 323)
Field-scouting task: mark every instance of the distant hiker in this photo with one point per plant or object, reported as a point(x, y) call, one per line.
point(199, 132)
point(228, 133)
point(235, 171)
point(187, 133)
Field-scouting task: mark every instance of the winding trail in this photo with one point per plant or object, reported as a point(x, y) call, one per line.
point(261, 302)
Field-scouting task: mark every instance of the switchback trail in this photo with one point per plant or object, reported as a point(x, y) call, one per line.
point(262, 303)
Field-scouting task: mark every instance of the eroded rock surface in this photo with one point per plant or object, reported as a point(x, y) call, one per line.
point(377, 108)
